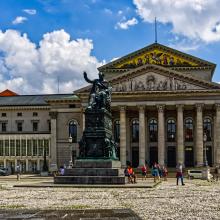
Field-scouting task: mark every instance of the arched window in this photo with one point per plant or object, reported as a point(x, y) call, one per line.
point(188, 129)
point(117, 131)
point(153, 130)
point(207, 128)
point(135, 130)
point(171, 130)
point(73, 130)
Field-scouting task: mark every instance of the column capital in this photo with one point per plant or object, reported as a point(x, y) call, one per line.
point(141, 107)
point(122, 108)
point(53, 115)
point(199, 107)
point(217, 107)
point(180, 107)
point(160, 108)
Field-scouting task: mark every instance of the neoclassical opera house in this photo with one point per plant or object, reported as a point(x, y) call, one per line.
point(165, 108)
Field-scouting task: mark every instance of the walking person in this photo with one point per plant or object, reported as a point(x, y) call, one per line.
point(155, 172)
point(179, 173)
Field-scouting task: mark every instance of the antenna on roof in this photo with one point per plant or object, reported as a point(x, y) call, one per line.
point(155, 28)
point(58, 84)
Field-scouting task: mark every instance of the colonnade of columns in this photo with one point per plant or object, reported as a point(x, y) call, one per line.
point(199, 159)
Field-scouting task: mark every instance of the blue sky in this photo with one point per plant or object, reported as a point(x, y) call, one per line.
point(38, 37)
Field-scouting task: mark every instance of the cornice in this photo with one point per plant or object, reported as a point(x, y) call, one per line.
point(24, 108)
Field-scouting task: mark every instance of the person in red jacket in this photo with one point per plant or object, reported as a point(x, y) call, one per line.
point(131, 175)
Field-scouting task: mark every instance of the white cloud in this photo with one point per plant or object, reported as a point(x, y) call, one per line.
point(195, 19)
point(27, 68)
point(125, 24)
point(19, 20)
point(120, 12)
point(108, 11)
point(30, 11)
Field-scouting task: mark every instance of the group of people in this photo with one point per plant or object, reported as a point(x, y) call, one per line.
point(157, 172)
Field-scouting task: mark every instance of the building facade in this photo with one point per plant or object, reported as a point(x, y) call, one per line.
point(165, 109)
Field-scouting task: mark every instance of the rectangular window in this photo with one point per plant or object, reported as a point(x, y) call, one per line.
point(72, 106)
point(35, 114)
point(29, 147)
point(6, 147)
point(35, 126)
point(40, 147)
point(23, 147)
point(19, 126)
point(49, 125)
point(4, 126)
point(19, 114)
point(4, 114)
point(12, 147)
point(1, 148)
point(18, 148)
point(34, 147)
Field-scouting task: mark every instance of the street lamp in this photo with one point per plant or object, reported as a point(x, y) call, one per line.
point(70, 145)
point(204, 146)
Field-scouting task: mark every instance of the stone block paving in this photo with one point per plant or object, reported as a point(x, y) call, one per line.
point(197, 200)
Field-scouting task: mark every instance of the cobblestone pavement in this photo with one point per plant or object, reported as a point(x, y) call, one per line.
point(196, 200)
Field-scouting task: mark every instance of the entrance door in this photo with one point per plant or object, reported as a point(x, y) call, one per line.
point(189, 157)
point(209, 155)
point(153, 155)
point(135, 156)
point(171, 156)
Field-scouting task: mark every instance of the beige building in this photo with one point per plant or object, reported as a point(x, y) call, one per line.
point(165, 109)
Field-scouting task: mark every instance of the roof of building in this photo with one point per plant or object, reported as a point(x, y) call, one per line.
point(8, 92)
point(32, 100)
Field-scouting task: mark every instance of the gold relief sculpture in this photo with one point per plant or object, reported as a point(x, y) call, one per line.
point(157, 57)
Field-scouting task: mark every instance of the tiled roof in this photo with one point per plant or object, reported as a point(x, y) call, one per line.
point(32, 100)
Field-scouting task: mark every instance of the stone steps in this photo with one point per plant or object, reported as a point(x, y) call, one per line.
point(89, 180)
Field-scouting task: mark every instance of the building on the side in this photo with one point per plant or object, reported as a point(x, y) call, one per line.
point(165, 109)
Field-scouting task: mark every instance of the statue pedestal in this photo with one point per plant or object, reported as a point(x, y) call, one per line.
point(91, 171)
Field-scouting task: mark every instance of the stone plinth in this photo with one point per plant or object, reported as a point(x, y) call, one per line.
point(93, 172)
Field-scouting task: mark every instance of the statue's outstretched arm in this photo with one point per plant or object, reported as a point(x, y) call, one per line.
point(86, 78)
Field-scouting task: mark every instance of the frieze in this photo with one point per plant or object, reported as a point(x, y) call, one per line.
point(150, 83)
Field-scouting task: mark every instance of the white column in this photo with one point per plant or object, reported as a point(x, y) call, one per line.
point(199, 136)
point(38, 164)
point(83, 120)
point(5, 163)
point(217, 136)
point(142, 137)
point(161, 135)
point(123, 136)
point(53, 149)
point(180, 138)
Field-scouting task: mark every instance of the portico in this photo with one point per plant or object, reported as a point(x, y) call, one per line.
point(167, 133)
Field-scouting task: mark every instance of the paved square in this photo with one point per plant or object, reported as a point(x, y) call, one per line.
point(196, 200)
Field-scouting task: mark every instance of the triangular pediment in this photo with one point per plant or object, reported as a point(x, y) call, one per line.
point(157, 54)
point(157, 78)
